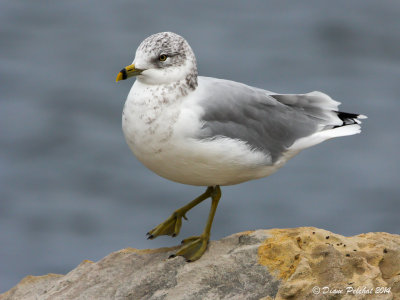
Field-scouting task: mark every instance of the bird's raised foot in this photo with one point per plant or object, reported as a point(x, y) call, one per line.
point(193, 247)
point(170, 226)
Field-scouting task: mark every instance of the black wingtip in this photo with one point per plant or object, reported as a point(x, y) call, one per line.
point(349, 118)
point(345, 116)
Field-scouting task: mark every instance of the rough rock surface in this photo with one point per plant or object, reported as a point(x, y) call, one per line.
point(298, 263)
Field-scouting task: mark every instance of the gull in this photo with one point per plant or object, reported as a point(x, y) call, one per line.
point(211, 132)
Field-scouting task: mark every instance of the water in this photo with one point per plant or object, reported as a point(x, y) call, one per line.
point(70, 187)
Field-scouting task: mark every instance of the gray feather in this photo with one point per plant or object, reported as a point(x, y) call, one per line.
point(265, 121)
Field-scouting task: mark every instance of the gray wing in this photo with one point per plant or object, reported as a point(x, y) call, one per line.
point(265, 121)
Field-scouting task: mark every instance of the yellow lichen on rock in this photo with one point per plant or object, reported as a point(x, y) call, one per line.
point(280, 253)
point(309, 257)
point(142, 251)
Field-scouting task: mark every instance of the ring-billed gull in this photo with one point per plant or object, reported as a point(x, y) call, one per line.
point(211, 132)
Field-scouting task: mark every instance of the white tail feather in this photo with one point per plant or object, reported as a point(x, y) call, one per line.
point(324, 135)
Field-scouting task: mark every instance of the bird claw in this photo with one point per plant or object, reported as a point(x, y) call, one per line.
point(170, 226)
point(193, 247)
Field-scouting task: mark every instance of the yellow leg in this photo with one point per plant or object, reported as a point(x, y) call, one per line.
point(193, 247)
point(172, 225)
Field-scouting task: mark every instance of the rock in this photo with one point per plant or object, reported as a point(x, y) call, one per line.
point(298, 263)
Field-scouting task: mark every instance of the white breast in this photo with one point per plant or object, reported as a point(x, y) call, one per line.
point(160, 127)
point(148, 118)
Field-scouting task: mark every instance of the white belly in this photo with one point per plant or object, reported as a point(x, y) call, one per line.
point(161, 135)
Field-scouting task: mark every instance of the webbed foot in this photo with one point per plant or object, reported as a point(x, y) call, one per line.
point(193, 247)
point(170, 226)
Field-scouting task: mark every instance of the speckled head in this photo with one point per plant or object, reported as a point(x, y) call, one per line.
point(164, 58)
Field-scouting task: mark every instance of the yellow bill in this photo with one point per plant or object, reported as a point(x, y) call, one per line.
point(127, 72)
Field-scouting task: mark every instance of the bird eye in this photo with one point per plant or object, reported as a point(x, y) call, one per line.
point(162, 57)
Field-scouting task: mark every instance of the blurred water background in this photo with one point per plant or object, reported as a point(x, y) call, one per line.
point(72, 190)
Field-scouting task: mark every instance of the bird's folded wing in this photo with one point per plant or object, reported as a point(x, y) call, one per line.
point(266, 121)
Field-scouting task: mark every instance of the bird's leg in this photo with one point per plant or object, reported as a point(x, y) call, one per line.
point(193, 247)
point(172, 225)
